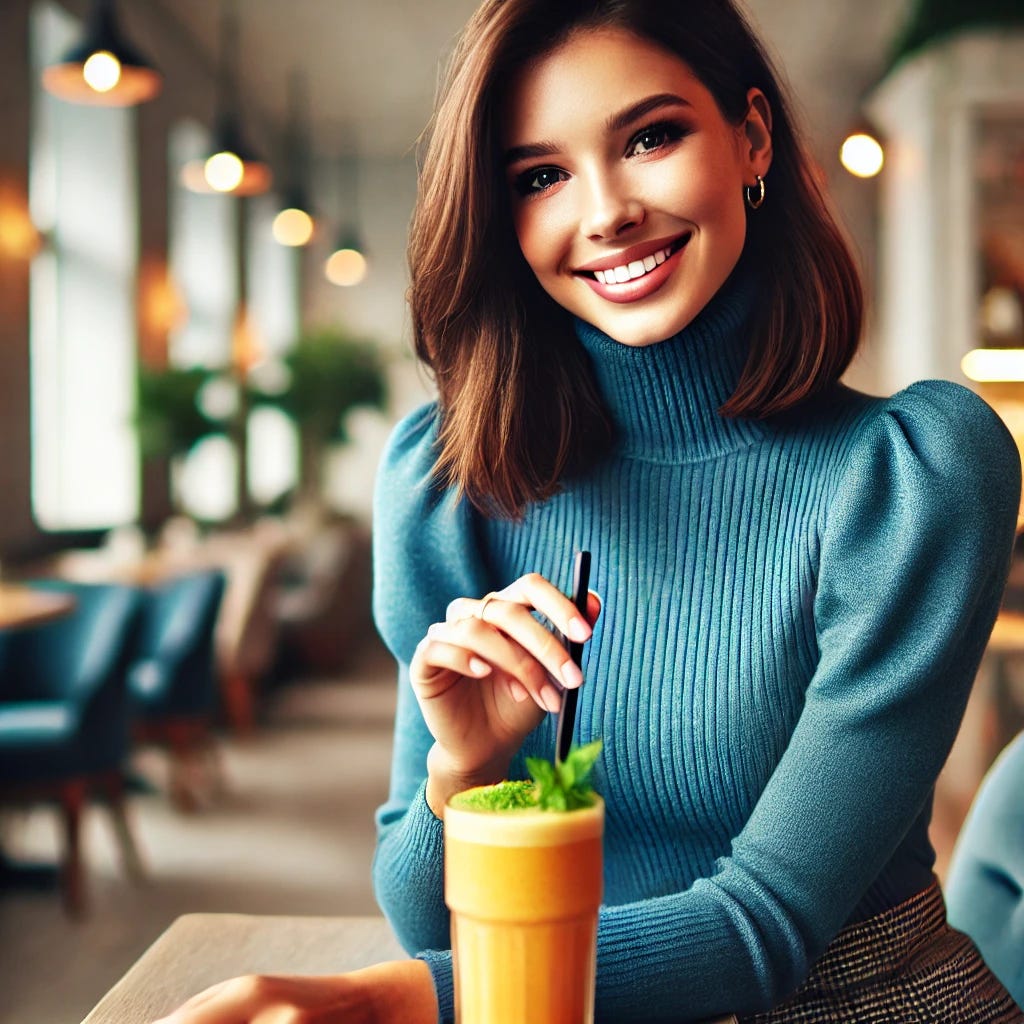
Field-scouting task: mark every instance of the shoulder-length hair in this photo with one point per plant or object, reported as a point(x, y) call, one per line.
point(519, 407)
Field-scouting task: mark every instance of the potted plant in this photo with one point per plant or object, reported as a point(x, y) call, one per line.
point(328, 373)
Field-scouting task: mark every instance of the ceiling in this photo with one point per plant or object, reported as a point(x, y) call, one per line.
point(371, 68)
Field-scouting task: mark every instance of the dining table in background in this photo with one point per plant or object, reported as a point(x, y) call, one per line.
point(22, 606)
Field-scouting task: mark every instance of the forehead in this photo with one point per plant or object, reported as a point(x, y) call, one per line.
point(594, 70)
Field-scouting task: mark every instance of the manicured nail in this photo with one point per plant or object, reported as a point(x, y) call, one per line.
point(478, 667)
point(571, 674)
point(518, 691)
point(578, 630)
point(551, 698)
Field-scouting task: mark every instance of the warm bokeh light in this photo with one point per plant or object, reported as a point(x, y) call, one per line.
point(293, 227)
point(988, 365)
point(862, 155)
point(102, 71)
point(346, 267)
point(223, 172)
point(19, 237)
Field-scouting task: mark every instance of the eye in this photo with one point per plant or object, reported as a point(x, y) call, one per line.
point(654, 137)
point(538, 179)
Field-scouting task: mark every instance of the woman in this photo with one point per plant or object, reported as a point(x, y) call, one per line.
point(637, 308)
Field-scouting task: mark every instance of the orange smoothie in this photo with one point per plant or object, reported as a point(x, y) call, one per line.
point(524, 888)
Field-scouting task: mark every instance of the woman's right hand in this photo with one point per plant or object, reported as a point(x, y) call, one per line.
point(483, 679)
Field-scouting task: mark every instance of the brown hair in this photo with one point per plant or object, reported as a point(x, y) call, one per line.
point(519, 408)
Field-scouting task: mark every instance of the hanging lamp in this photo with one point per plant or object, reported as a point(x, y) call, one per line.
point(346, 266)
point(232, 165)
point(104, 69)
point(295, 223)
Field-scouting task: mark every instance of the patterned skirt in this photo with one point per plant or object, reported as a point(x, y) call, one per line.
point(903, 966)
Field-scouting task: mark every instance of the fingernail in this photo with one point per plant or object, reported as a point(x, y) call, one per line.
point(551, 698)
point(478, 667)
point(518, 691)
point(578, 630)
point(571, 674)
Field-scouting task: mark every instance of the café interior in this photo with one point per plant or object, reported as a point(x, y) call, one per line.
point(204, 344)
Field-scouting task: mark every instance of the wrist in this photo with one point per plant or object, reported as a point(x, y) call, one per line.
point(445, 778)
point(401, 990)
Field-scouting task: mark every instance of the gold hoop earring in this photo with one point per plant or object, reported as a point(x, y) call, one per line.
point(755, 193)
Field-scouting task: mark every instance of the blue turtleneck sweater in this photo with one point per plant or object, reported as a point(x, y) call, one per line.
point(794, 611)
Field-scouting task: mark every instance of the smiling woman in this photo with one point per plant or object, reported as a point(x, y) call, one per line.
point(630, 221)
point(637, 307)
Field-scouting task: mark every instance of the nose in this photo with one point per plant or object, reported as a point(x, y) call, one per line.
point(608, 207)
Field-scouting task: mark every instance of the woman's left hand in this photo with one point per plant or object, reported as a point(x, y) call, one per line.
point(398, 990)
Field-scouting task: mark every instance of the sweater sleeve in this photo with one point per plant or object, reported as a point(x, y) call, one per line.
point(913, 559)
point(425, 555)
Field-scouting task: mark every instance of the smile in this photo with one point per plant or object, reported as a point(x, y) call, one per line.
point(636, 278)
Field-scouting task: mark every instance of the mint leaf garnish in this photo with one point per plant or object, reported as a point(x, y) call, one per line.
point(565, 786)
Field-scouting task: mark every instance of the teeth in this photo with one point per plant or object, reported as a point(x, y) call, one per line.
point(633, 270)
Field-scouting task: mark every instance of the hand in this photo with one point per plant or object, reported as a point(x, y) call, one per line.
point(400, 990)
point(483, 679)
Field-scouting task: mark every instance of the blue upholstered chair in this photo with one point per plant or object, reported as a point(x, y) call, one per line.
point(64, 726)
point(172, 680)
point(985, 884)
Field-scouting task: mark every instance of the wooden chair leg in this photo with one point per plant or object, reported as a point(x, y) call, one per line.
point(239, 706)
point(188, 782)
point(131, 861)
point(72, 800)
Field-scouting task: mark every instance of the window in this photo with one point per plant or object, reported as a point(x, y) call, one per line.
point(84, 198)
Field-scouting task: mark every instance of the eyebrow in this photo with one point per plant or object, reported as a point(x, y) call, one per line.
point(623, 119)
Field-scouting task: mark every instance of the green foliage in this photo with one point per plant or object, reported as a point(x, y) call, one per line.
point(564, 785)
point(329, 374)
point(932, 20)
point(168, 419)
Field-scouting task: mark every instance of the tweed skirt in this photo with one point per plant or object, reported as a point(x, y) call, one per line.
point(903, 966)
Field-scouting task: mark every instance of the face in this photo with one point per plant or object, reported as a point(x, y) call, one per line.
point(627, 182)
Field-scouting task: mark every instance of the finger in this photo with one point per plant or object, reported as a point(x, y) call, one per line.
point(594, 606)
point(517, 622)
point(434, 657)
point(543, 596)
point(516, 648)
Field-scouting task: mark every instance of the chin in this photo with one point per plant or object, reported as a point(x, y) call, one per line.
point(641, 331)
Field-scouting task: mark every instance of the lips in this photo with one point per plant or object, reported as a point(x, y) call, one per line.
point(635, 273)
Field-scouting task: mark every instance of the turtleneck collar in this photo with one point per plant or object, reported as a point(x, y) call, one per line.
point(664, 398)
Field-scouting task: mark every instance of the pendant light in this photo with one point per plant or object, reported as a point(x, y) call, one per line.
point(232, 165)
point(295, 224)
point(346, 266)
point(104, 69)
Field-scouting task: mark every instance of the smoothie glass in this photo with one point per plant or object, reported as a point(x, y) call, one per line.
point(524, 888)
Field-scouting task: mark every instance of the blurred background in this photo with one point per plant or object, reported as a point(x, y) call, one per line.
point(203, 346)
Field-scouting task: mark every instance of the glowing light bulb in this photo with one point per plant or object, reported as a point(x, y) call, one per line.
point(102, 71)
point(224, 172)
point(862, 155)
point(994, 364)
point(292, 227)
point(346, 267)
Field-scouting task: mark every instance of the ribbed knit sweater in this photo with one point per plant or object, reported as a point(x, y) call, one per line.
point(793, 614)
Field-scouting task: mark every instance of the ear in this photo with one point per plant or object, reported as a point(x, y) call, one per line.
point(757, 131)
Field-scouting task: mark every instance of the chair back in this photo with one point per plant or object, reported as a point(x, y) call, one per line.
point(173, 666)
point(69, 658)
point(985, 883)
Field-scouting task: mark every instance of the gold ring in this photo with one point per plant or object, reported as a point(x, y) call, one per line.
point(484, 602)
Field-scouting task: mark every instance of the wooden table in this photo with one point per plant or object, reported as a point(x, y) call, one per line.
point(199, 950)
point(22, 606)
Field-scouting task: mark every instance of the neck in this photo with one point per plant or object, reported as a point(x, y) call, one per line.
point(664, 398)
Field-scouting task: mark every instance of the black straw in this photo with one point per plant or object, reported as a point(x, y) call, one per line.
point(567, 712)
